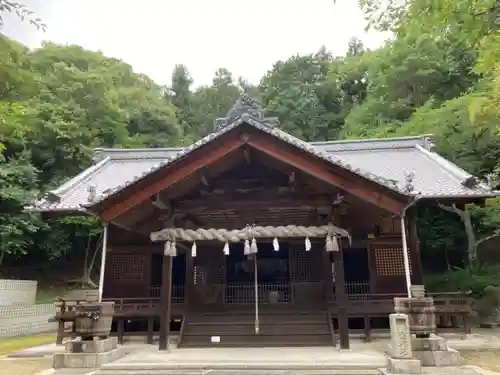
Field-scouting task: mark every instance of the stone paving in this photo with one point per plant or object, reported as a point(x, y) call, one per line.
point(362, 358)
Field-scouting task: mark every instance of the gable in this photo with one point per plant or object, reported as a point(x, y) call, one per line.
point(220, 150)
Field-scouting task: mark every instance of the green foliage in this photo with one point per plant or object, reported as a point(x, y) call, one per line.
point(406, 75)
point(296, 91)
point(440, 75)
point(17, 188)
point(8, 6)
point(461, 279)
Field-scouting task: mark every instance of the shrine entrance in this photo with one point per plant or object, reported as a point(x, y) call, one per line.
point(273, 276)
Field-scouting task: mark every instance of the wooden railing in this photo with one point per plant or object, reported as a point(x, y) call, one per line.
point(451, 308)
point(177, 293)
point(357, 290)
point(268, 293)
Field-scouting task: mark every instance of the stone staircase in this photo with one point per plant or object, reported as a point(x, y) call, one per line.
point(308, 328)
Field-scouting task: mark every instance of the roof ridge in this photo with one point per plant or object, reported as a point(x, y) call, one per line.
point(80, 178)
point(424, 138)
point(372, 140)
point(452, 169)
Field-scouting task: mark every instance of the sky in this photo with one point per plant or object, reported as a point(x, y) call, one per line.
point(246, 37)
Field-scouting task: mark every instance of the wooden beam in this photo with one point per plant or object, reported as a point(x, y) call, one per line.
point(321, 172)
point(263, 200)
point(177, 172)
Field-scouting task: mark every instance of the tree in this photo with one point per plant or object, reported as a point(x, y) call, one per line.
point(298, 92)
point(355, 47)
point(406, 75)
point(8, 6)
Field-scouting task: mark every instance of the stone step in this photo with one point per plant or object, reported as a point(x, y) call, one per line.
point(234, 370)
point(238, 372)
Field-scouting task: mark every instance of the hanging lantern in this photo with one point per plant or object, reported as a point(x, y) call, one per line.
point(335, 241)
point(276, 244)
point(173, 248)
point(308, 244)
point(253, 246)
point(332, 243)
point(193, 250)
point(226, 248)
point(328, 243)
point(166, 248)
point(246, 248)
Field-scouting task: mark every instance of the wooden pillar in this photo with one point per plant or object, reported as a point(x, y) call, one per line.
point(414, 245)
point(341, 296)
point(327, 275)
point(189, 282)
point(166, 302)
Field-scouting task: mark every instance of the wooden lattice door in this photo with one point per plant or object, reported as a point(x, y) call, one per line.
point(388, 263)
point(209, 276)
point(127, 275)
point(306, 275)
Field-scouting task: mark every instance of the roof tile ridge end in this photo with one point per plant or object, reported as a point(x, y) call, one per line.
point(80, 178)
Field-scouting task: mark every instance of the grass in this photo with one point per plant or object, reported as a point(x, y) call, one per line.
point(49, 295)
point(14, 344)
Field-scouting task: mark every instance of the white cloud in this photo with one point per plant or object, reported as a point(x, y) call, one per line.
point(154, 35)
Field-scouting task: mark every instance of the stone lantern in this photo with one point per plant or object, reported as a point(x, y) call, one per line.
point(420, 311)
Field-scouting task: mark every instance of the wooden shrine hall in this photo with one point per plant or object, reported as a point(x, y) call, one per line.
point(252, 237)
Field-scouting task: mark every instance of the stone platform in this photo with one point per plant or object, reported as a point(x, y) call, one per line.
point(303, 360)
point(89, 354)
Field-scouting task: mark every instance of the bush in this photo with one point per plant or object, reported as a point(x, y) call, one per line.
point(462, 280)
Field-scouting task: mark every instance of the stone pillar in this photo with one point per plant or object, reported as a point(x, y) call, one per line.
point(400, 359)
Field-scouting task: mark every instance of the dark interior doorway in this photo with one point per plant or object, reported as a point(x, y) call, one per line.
point(178, 270)
point(272, 266)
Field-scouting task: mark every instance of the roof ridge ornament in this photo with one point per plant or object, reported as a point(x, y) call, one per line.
point(409, 187)
point(245, 106)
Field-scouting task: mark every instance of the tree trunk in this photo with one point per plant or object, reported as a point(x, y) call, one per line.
point(2, 256)
point(447, 259)
point(471, 239)
point(465, 216)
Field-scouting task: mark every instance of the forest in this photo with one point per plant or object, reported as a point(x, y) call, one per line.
point(439, 75)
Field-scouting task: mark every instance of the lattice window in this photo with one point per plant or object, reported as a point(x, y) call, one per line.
point(127, 267)
point(210, 266)
point(389, 261)
point(301, 266)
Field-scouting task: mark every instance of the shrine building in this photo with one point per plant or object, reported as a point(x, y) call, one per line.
point(252, 237)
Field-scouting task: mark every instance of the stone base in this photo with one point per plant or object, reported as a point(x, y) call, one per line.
point(440, 358)
point(403, 366)
point(87, 360)
point(95, 346)
point(434, 351)
point(432, 343)
point(88, 354)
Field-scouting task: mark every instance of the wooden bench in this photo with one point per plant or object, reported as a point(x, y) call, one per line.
point(66, 310)
point(449, 307)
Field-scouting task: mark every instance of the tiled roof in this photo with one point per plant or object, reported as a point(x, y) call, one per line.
point(387, 162)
